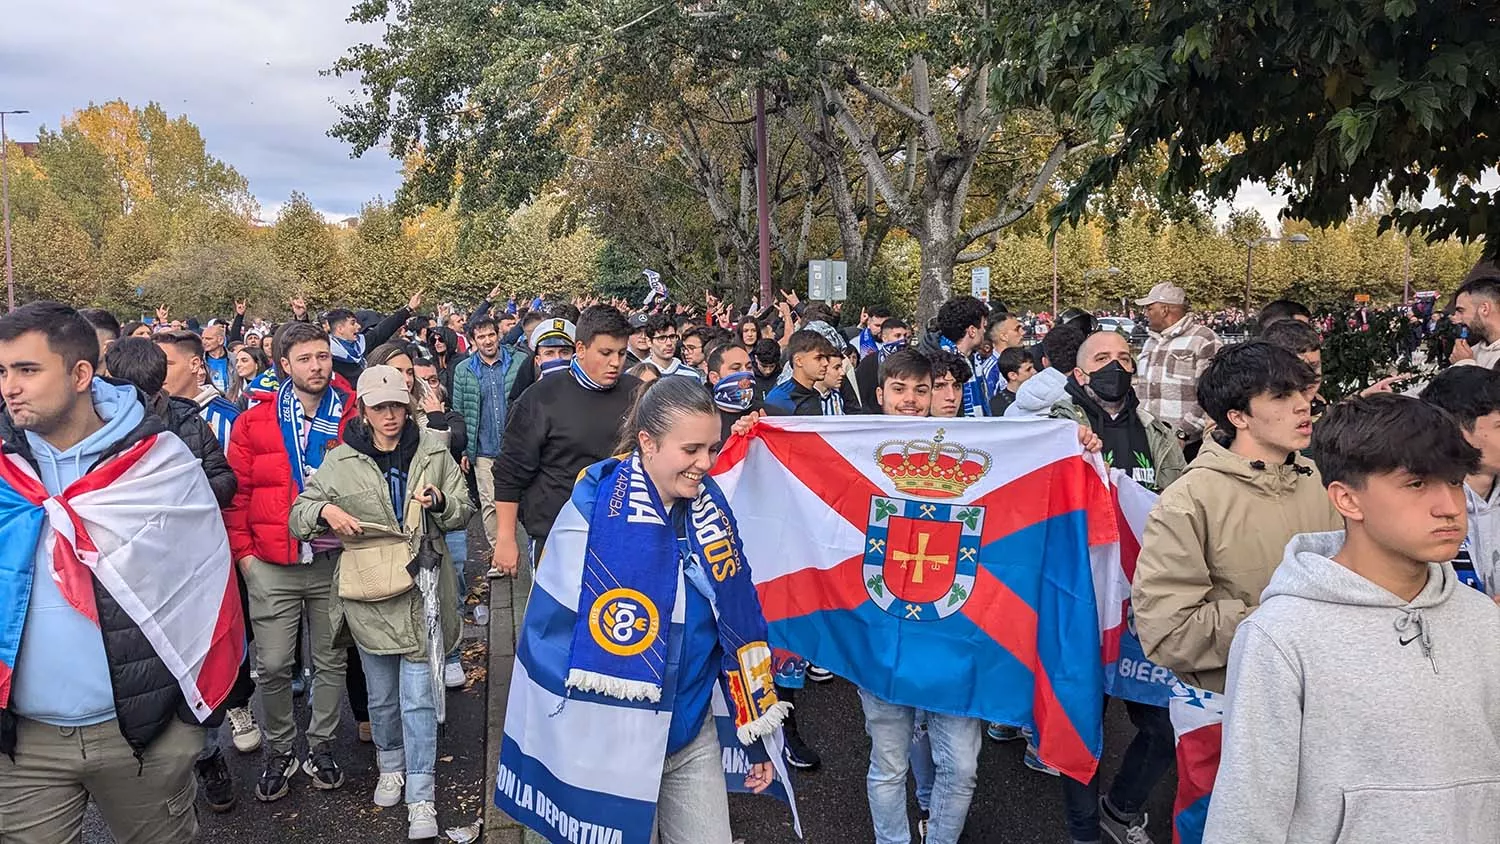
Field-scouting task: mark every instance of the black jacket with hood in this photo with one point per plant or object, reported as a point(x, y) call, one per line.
point(147, 696)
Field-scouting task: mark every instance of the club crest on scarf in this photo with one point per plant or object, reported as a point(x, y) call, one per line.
point(624, 622)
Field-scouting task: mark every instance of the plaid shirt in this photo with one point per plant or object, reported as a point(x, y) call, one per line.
point(1171, 364)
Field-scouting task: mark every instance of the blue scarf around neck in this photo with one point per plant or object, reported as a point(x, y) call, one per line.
point(583, 378)
point(322, 436)
point(632, 572)
point(346, 351)
point(974, 401)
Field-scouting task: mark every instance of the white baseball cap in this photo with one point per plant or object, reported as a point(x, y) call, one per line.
point(1167, 293)
point(382, 384)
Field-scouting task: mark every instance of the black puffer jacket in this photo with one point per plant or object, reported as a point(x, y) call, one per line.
point(184, 420)
point(147, 696)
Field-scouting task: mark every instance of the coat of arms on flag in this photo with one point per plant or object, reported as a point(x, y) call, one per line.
point(944, 564)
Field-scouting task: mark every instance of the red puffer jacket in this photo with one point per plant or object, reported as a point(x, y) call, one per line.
point(257, 520)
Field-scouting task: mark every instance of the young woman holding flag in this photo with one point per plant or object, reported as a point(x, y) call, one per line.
point(642, 623)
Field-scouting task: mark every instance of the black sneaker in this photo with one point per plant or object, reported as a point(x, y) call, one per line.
point(276, 778)
point(819, 674)
point(214, 781)
point(923, 817)
point(320, 765)
point(798, 754)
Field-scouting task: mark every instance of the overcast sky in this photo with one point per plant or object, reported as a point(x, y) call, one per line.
point(245, 72)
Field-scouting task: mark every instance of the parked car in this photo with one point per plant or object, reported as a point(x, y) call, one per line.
point(1124, 325)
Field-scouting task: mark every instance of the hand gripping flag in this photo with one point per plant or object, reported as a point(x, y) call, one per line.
point(942, 564)
point(579, 766)
point(146, 526)
point(1128, 674)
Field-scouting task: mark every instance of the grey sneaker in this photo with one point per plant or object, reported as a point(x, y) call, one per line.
point(1131, 831)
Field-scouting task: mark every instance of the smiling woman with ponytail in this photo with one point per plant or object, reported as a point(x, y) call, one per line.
point(644, 607)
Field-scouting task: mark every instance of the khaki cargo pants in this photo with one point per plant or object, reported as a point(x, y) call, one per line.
point(44, 792)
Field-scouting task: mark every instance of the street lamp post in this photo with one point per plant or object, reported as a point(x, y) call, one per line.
point(10, 279)
point(1298, 239)
point(1088, 296)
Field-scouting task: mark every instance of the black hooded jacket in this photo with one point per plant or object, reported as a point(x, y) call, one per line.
point(182, 418)
point(147, 696)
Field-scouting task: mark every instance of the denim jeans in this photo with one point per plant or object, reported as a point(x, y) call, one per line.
point(1146, 761)
point(922, 769)
point(458, 548)
point(955, 755)
point(693, 807)
point(403, 721)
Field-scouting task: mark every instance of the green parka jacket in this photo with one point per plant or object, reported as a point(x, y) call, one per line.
point(350, 478)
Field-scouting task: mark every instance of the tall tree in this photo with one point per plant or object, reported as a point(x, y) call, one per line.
point(306, 251)
point(1328, 100)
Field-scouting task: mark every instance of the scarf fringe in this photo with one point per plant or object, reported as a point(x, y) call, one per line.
point(765, 724)
point(593, 681)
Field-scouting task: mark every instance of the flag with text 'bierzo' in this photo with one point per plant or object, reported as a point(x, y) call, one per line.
point(943, 564)
point(1128, 674)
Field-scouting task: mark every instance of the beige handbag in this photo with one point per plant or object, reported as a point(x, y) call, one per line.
point(373, 565)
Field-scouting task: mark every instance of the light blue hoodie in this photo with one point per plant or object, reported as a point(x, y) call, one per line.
point(62, 675)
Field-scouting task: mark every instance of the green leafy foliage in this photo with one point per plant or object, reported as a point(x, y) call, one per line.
point(1330, 100)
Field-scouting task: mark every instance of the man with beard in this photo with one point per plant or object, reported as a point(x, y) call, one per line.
point(1099, 394)
point(1476, 307)
point(276, 446)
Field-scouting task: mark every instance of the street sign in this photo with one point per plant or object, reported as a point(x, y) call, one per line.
point(979, 278)
point(818, 273)
point(1362, 298)
point(840, 281)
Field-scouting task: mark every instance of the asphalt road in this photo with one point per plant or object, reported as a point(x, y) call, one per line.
point(1012, 804)
point(348, 815)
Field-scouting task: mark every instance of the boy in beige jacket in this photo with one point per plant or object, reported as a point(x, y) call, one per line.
point(1216, 535)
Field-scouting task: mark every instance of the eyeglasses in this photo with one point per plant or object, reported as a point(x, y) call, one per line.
point(660, 337)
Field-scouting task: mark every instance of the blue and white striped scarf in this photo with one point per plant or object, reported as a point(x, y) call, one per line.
point(583, 378)
point(974, 401)
point(322, 435)
point(346, 351)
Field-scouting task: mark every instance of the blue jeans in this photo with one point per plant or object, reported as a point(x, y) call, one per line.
point(403, 721)
point(955, 755)
point(1146, 761)
point(458, 547)
point(922, 769)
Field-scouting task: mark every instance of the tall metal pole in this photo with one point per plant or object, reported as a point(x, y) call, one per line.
point(762, 201)
point(1054, 276)
point(1249, 260)
point(10, 280)
point(1406, 272)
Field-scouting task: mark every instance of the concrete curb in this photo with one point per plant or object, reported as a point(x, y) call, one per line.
point(507, 606)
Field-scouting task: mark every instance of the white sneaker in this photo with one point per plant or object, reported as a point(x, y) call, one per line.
point(421, 820)
point(390, 788)
point(494, 573)
point(244, 729)
point(453, 675)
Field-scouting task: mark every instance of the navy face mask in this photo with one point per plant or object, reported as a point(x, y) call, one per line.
point(734, 392)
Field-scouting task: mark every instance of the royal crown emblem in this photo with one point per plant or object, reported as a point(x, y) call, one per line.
point(931, 468)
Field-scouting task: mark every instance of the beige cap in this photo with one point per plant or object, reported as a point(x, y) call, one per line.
point(382, 385)
point(1167, 293)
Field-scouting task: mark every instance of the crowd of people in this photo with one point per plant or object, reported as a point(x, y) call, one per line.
point(1297, 550)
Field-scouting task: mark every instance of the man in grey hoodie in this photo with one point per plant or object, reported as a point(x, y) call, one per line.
point(1364, 693)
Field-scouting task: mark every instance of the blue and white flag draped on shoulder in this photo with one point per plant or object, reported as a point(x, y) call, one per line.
point(577, 764)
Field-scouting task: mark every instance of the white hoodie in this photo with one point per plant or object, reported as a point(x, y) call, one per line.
point(1038, 394)
point(1483, 543)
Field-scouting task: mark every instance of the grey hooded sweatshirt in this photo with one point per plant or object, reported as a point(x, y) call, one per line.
point(1354, 717)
